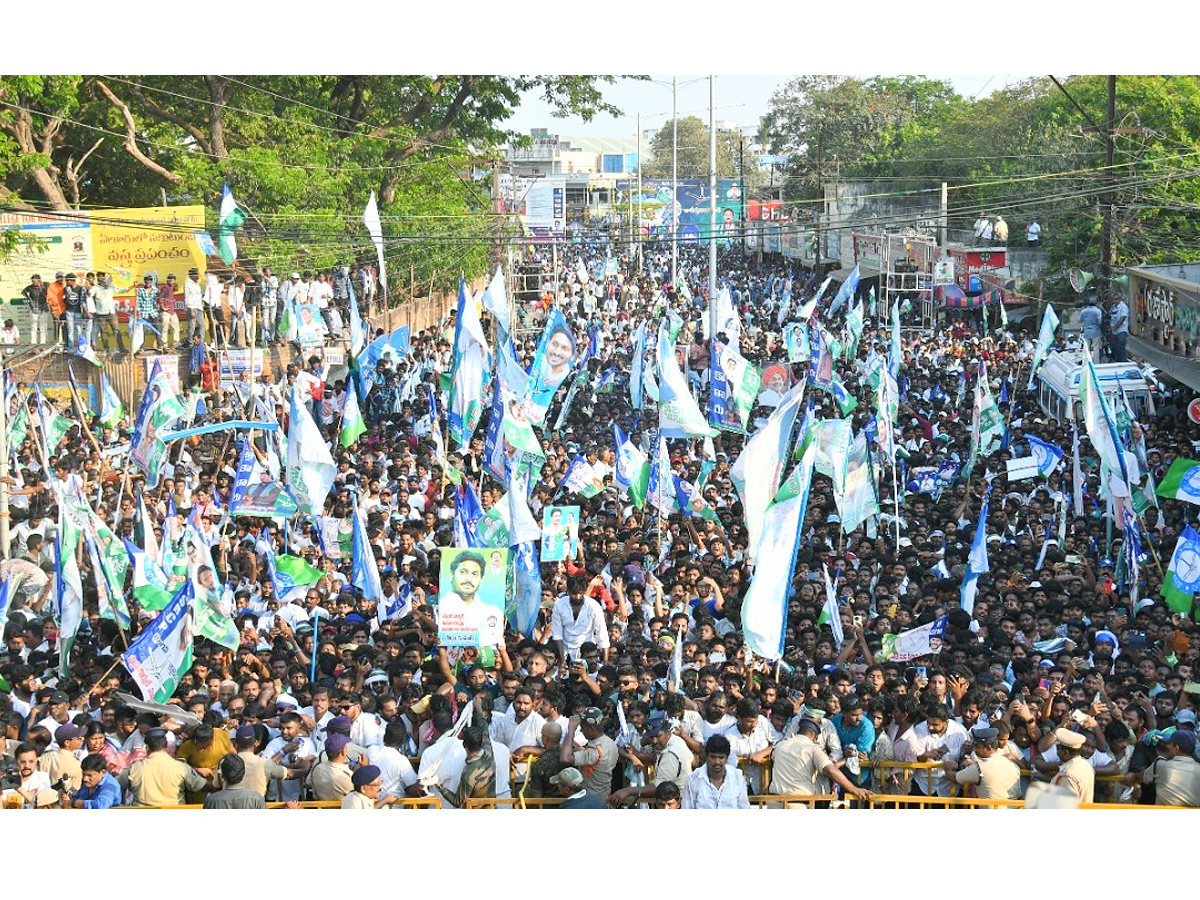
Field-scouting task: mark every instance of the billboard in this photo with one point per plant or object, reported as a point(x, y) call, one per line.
point(127, 243)
point(546, 206)
point(690, 204)
point(470, 606)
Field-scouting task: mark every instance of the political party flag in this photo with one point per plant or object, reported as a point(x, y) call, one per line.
point(764, 609)
point(637, 366)
point(467, 513)
point(84, 349)
point(112, 411)
point(1045, 339)
point(18, 429)
point(691, 502)
point(845, 292)
point(257, 491)
point(291, 575)
point(162, 653)
point(1182, 481)
point(735, 385)
point(232, 218)
point(633, 468)
point(581, 479)
point(112, 562)
point(925, 640)
point(495, 300)
point(846, 401)
point(679, 416)
point(832, 438)
point(68, 595)
point(149, 582)
point(660, 488)
point(820, 371)
point(977, 559)
point(854, 328)
point(1183, 573)
point(727, 318)
point(310, 467)
point(358, 337)
point(895, 353)
point(470, 370)
point(375, 230)
point(1047, 456)
point(887, 405)
point(830, 614)
point(758, 471)
point(353, 424)
point(860, 499)
point(527, 586)
point(805, 312)
point(607, 380)
point(6, 589)
point(1101, 427)
point(159, 410)
point(795, 338)
point(364, 568)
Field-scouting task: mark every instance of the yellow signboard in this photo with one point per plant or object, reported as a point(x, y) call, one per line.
point(132, 243)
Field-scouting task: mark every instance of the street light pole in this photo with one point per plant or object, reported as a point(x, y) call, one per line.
point(712, 207)
point(674, 178)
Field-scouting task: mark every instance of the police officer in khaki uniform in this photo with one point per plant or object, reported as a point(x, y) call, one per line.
point(1076, 774)
point(997, 776)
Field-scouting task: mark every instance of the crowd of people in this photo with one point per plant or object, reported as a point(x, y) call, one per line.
point(634, 686)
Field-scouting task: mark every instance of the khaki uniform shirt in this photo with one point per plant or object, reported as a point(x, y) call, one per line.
point(1177, 781)
point(331, 781)
point(60, 763)
point(1078, 776)
point(997, 776)
point(161, 780)
point(798, 763)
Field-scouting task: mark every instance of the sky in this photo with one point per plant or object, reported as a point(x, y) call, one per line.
point(740, 99)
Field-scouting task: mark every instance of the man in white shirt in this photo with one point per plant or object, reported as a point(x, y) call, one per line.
point(397, 771)
point(366, 729)
point(293, 751)
point(577, 619)
point(212, 302)
point(716, 784)
point(442, 762)
point(936, 739)
point(193, 300)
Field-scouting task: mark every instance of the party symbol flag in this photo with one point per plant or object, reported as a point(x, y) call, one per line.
point(232, 218)
point(162, 653)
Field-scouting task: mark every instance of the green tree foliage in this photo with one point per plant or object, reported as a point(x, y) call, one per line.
point(1023, 152)
point(301, 152)
point(693, 151)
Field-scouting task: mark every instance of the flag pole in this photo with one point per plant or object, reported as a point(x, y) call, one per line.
point(107, 672)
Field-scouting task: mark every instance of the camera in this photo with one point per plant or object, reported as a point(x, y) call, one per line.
point(10, 778)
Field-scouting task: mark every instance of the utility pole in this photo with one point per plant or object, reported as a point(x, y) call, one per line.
point(639, 209)
point(498, 211)
point(820, 210)
point(4, 473)
point(712, 208)
point(1110, 122)
point(944, 218)
point(674, 178)
point(742, 187)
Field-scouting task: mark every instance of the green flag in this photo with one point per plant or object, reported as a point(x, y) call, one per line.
point(232, 218)
point(353, 425)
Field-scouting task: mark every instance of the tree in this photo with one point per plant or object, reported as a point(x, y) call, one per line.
point(301, 152)
point(693, 151)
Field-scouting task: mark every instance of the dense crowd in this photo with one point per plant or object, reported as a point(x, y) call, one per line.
point(635, 685)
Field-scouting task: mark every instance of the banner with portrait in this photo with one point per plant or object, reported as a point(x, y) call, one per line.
point(551, 365)
point(470, 604)
point(560, 533)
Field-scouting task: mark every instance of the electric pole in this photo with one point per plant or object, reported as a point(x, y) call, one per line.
point(712, 208)
point(498, 210)
point(1110, 122)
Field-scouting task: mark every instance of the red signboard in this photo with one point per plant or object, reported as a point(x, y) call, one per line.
point(764, 210)
point(977, 261)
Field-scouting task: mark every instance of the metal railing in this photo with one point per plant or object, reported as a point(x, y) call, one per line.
point(402, 802)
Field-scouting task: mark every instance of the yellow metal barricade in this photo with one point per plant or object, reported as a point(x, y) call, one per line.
point(920, 801)
point(790, 801)
point(513, 802)
point(909, 770)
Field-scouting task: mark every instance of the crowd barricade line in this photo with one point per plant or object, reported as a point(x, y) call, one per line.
point(513, 802)
point(791, 801)
point(923, 801)
point(908, 770)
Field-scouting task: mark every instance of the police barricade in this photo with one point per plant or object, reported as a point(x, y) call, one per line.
point(793, 801)
point(399, 802)
point(512, 802)
point(898, 776)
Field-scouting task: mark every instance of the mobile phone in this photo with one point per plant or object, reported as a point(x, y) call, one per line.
point(1044, 683)
point(1078, 716)
point(1192, 687)
point(858, 621)
point(922, 672)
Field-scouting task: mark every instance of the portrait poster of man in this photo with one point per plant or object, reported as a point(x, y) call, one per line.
point(470, 608)
point(560, 533)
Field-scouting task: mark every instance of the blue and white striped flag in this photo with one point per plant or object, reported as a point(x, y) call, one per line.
point(1048, 456)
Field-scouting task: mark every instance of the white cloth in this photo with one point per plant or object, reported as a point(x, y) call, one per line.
point(700, 793)
point(574, 630)
point(395, 770)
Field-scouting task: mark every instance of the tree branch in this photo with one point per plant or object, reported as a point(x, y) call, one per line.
point(75, 169)
point(160, 112)
point(414, 114)
point(130, 142)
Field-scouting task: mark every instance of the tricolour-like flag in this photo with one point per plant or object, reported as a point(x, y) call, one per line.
point(860, 499)
point(1182, 481)
point(467, 513)
point(977, 559)
point(581, 479)
point(162, 653)
point(735, 385)
point(84, 348)
point(149, 582)
point(632, 475)
point(470, 370)
point(1047, 456)
point(1183, 573)
point(73, 514)
point(846, 292)
point(232, 218)
point(1045, 339)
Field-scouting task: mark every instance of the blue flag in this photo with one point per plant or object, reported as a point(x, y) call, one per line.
point(1048, 456)
point(977, 560)
point(364, 570)
point(467, 513)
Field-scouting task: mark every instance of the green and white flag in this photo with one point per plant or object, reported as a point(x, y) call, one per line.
point(1102, 430)
point(1182, 481)
point(470, 370)
point(860, 499)
point(633, 468)
point(1183, 574)
point(232, 218)
point(18, 429)
point(112, 410)
point(353, 425)
point(149, 582)
point(68, 596)
point(1045, 339)
point(162, 653)
point(854, 328)
point(114, 564)
point(832, 438)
